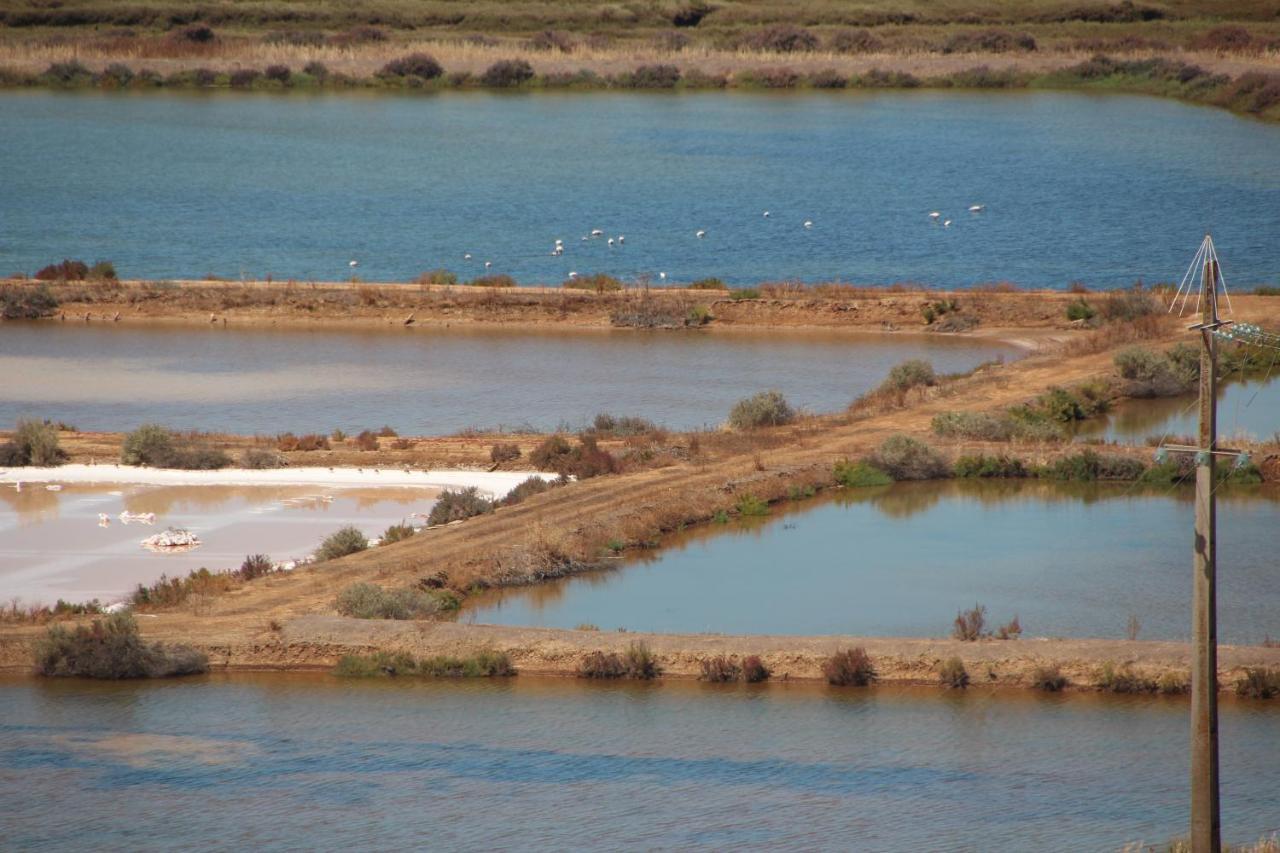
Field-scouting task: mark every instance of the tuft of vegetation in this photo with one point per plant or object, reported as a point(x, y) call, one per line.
point(952, 674)
point(437, 276)
point(420, 65)
point(33, 443)
point(1048, 678)
point(504, 452)
point(1124, 679)
point(288, 442)
point(1080, 310)
point(340, 543)
point(459, 505)
point(748, 505)
point(495, 280)
point(753, 670)
point(905, 458)
point(1151, 374)
point(914, 373)
point(970, 625)
point(708, 284)
point(780, 38)
point(507, 73)
point(370, 601)
point(849, 667)
point(158, 447)
point(486, 663)
point(256, 566)
point(636, 662)
point(1259, 683)
point(858, 475)
point(599, 283)
point(765, 409)
point(27, 303)
point(621, 426)
point(111, 648)
point(397, 533)
point(979, 426)
point(602, 665)
point(261, 458)
point(584, 461)
point(720, 669)
point(983, 466)
point(534, 485)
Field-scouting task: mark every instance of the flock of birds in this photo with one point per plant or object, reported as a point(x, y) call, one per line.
point(557, 249)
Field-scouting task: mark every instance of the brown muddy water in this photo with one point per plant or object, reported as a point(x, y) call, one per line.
point(53, 544)
point(434, 381)
point(297, 761)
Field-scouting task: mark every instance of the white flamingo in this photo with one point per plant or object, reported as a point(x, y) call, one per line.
point(610, 241)
point(488, 264)
point(573, 274)
point(977, 208)
point(808, 223)
point(466, 256)
point(766, 214)
point(946, 224)
point(700, 233)
point(934, 215)
point(596, 232)
point(662, 276)
point(621, 239)
point(353, 263)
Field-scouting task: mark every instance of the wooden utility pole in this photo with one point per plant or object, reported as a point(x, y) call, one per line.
point(1206, 824)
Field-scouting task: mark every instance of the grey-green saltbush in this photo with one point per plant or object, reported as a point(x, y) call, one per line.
point(340, 543)
point(905, 458)
point(768, 408)
point(370, 601)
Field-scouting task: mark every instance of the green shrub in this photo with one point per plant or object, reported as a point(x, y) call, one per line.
point(858, 475)
point(1088, 465)
point(699, 315)
point(1259, 683)
point(1048, 678)
point(102, 271)
point(157, 447)
point(979, 426)
point(534, 485)
point(599, 282)
point(720, 669)
point(1124, 680)
point(370, 601)
point(482, 664)
point(1152, 374)
point(905, 458)
point(550, 454)
point(749, 505)
point(951, 673)
point(914, 373)
point(438, 276)
point(745, 293)
point(33, 443)
point(340, 543)
point(458, 505)
point(497, 280)
point(768, 408)
point(849, 667)
point(650, 77)
point(708, 284)
point(1080, 310)
point(111, 648)
point(27, 303)
point(1173, 684)
point(397, 533)
point(983, 466)
point(641, 662)
point(622, 426)
point(753, 670)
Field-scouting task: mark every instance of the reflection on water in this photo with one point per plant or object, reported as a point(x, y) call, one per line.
point(1068, 559)
point(306, 762)
point(435, 381)
point(1248, 407)
point(54, 545)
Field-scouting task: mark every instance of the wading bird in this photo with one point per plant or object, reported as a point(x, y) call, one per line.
point(466, 256)
point(808, 223)
point(766, 214)
point(488, 264)
point(977, 208)
point(700, 234)
point(946, 224)
point(353, 263)
point(934, 214)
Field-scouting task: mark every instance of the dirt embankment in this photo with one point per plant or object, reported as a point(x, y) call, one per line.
point(286, 620)
point(988, 312)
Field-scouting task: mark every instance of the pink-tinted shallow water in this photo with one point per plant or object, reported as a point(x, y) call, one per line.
point(53, 546)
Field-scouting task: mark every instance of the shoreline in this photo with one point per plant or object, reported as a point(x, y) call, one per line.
point(495, 483)
point(317, 642)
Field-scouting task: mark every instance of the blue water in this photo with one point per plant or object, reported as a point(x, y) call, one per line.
point(1068, 560)
point(1100, 189)
point(276, 762)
